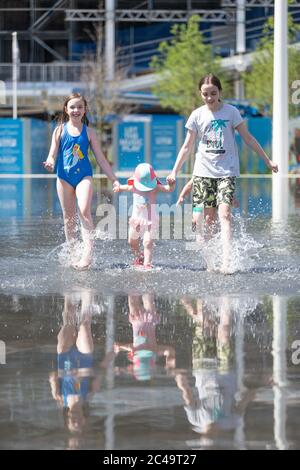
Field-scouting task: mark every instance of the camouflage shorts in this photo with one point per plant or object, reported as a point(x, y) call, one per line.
point(211, 192)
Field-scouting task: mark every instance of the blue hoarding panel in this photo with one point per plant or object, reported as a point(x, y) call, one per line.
point(11, 197)
point(164, 141)
point(131, 145)
point(39, 145)
point(11, 146)
point(261, 128)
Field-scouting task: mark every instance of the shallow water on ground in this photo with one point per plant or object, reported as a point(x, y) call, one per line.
point(206, 372)
point(173, 358)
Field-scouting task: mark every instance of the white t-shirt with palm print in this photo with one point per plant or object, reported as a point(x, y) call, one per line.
point(216, 148)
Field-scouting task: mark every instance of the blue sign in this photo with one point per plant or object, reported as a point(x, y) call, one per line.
point(131, 144)
point(39, 144)
point(11, 146)
point(165, 141)
point(156, 139)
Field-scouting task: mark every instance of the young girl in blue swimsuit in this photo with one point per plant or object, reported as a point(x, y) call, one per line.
point(70, 142)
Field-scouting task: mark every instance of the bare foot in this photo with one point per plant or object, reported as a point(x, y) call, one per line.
point(209, 266)
point(148, 266)
point(225, 269)
point(84, 263)
point(138, 261)
point(81, 266)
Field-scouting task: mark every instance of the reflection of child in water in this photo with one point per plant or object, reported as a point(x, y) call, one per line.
point(214, 408)
point(74, 382)
point(144, 351)
point(295, 150)
point(143, 318)
point(211, 341)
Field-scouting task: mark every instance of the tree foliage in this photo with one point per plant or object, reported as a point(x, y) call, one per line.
point(180, 65)
point(259, 80)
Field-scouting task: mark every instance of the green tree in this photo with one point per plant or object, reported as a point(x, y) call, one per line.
point(259, 80)
point(180, 65)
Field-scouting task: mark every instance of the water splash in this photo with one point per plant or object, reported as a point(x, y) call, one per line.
point(54, 252)
point(244, 248)
point(67, 254)
point(102, 235)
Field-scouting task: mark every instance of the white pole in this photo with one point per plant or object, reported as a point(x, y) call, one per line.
point(240, 48)
point(240, 27)
point(110, 39)
point(109, 347)
point(239, 435)
point(15, 63)
point(280, 112)
point(279, 370)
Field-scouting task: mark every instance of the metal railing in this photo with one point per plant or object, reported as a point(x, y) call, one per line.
point(49, 72)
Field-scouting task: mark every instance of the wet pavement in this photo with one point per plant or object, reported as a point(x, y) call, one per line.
point(175, 358)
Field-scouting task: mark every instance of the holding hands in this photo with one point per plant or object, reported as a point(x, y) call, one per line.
point(116, 186)
point(171, 178)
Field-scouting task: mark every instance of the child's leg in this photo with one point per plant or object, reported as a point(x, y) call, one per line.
point(226, 234)
point(225, 321)
point(135, 306)
point(149, 304)
point(224, 350)
point(134, 242)
point(226, 188)
point(200, 312)
point(210, 215)
point(84, 193)
point(84, 341)
point(205, 194)
point(148, 248)
point(66, 338)
point(198, 223)
point(67, 199)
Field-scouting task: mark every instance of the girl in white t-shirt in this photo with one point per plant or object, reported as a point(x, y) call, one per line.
point(212, 127)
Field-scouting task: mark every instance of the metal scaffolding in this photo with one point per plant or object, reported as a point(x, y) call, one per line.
point(151, 15)
point(47, 30)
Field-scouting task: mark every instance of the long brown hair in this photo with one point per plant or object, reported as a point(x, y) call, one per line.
point(210, 79)
point(63, 116)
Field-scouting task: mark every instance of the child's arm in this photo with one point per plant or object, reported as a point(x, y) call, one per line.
point(122, 187)
point(101, 160)
point(50, 162)
point(54, 384)
point(122, 347)
point(252, 142)
point(166, 188)
point(169, 353)
point(185, 191)
point(183, 154)
point(188, 306)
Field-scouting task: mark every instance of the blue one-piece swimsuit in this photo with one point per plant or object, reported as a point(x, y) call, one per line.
point(73, 163)
point(68, 364)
